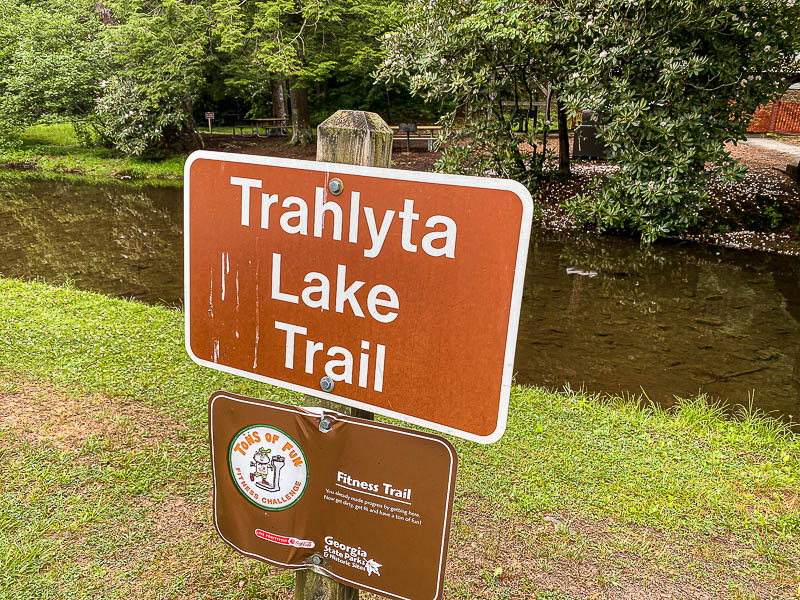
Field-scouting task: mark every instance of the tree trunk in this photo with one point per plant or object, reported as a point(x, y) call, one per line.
point(546, 127)
point(301, 120)
point(278, 99)
point(563, 141)
point(190, 125)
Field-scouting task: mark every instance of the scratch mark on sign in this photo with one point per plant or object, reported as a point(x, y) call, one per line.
point(216, 351)
point(211, 295)
point(258, 316)
point(379, 362)
point(223, 276)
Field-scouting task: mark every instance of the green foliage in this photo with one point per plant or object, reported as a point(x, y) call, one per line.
point(671, 81)
point(303, 42)
point(476, 55)
point(134, 122)
point(62, 134)
point(160, 49)
point(50, 63)
point(129, 72)
point(308, 41)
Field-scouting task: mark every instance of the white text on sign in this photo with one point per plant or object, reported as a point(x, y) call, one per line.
point(294, 220)
point(295, 216)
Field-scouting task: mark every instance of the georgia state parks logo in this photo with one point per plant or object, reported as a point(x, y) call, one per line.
point(268, 467)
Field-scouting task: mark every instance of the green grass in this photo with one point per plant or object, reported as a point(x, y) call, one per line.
point(55, 148)
point(61, 134)
point(104, 478)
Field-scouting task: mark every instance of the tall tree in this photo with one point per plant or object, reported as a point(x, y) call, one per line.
point(304, 42)
point(160, 49)
point(492, 60)
point(279, 108)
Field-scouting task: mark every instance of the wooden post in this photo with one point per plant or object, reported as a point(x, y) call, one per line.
point(350, 137)
point(355, 137)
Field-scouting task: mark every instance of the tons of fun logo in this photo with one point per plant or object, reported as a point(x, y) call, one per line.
point(268, 467)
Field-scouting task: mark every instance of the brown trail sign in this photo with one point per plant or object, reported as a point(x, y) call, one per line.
point(365, 503)
point(391, 291)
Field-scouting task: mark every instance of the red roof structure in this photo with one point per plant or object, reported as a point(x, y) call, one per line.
point(781, 116)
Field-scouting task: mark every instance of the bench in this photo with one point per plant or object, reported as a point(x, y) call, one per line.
point(411, 132)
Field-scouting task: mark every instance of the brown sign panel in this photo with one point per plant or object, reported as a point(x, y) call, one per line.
point(365, 503)
point(402, 288)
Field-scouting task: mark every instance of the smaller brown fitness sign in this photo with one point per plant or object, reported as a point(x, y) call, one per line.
point(312, 489)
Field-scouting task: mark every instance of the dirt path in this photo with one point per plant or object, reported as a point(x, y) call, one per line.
point(790, 150)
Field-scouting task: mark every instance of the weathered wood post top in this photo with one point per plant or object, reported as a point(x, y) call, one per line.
point(355, 137)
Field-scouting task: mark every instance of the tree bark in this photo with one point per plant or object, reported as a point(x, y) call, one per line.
point(301, 120)
point(563, 141)
point(190, 124)
point(278, 99)
point(388, 104)
point(546, 127)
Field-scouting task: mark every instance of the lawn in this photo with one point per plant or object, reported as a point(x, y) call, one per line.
point(55, 148)
point(105, 479)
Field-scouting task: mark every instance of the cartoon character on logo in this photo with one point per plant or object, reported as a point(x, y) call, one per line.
point(267, 470)
point(268, 467)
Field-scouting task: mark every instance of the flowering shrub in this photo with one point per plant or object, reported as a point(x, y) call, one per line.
point(463, 53)
point(133, 123)
point(671, 81)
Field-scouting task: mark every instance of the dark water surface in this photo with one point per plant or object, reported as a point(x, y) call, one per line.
point(597, 312)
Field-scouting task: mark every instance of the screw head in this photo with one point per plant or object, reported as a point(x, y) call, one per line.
point(335, 186)
point(316, 559)
point(325, 425)
point(326, 384)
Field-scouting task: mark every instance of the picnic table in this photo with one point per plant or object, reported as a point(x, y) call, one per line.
point(411, 132)
point(271, 126)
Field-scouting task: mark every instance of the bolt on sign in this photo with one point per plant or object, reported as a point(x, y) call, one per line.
point(339, 495)
point(401, 288)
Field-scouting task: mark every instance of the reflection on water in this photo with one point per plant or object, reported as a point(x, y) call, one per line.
point(679, 319)
point(119, 240)
point(597, 313)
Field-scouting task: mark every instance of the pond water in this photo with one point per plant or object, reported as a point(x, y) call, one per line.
point(597, 313)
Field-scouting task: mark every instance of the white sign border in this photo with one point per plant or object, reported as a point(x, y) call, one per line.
point(399, 175)
point(371, 425)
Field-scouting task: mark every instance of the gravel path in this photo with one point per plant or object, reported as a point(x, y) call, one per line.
point(774, 145)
